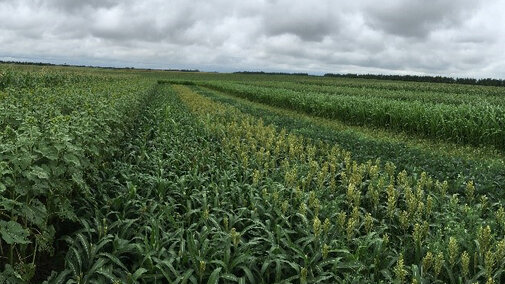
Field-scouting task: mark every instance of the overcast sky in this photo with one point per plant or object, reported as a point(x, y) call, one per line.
point(446, 37)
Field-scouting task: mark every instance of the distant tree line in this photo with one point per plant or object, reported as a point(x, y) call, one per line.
point(270, 73)
point(28, 63)
point(180, 70)
point(416, 78)
point(91, 66)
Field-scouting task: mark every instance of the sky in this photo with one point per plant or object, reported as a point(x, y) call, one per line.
point(463, 38)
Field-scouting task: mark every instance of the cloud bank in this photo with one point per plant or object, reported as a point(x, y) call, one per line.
point(438, 37)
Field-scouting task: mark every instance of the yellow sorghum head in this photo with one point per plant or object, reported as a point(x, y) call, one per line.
point(285, 206)
point(417, 234)
point(235, 236)
point(264, 193)
point(343, 177)
point(465, 263)
point(225, 223)
point(373, 172)
point(500, 250)
point(256, 177)
point(410, 201)
point(443, 188)
point(302, 209)
point(291, 176)
point(298, 193)
point(314, 167)
point(419, 193)
point(321, 176)
point(439, 263)
point(275, 196)
point(402, 179)
point(489, 262)
point(326, 226)
point(355, 213)
point(484, 238)
point(385, 240)
point(399, 270)
point(351, 189)
point(425, 229)
point(201, 269)
point(341, 218)
point(391, 201)
point(303, 274)
point(316, 206)
point(205, 214)
point(333, 184)
point(316, 226)
point(390, 169)
point(423, 179)
point(312, 198)
point(368, 223)
point(357, 198)
point(483, 201)
point(427, 261)
point(454, 201)
point(453, 250)
point(403, 218)
point(351, 225)
point(420, 210)
point(429, 184)
point(325, 251)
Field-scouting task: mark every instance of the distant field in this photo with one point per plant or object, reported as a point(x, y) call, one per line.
point(138, 176)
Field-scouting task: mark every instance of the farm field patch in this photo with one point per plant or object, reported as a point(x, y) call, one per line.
point(134, 176)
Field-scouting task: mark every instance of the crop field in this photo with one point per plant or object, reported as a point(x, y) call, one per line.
point(142, 176)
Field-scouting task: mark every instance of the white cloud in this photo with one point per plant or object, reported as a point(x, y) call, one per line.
point(456, 38)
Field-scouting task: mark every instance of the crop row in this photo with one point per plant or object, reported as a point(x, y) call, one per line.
point(205, 193)
point(441, 161)
point(54, 143)
point(368, 90)
point(466, 124)
point(133, 184)
point(421, 87)
point(328, 215)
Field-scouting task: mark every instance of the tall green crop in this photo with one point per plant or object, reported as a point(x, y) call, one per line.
point(54, 141)
point(481, 124)
point(108, 177)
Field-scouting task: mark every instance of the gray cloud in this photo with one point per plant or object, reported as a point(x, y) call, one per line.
point(456, 38)
point(77, 6)
point(311, 21)
point(417, 18)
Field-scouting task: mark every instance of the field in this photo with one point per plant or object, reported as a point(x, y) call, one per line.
point(138, 176)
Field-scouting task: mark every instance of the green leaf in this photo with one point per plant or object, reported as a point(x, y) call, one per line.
point(214, 276)
point(114, 259)
point(39, 172)
point(35, 212)
point(230, 277)
point(138, 273)
point(48, 152)
point(108, 275)
point(10, 275)
point(70, 158)
point(9, 204)
point(13, 233)
point(58, 278)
